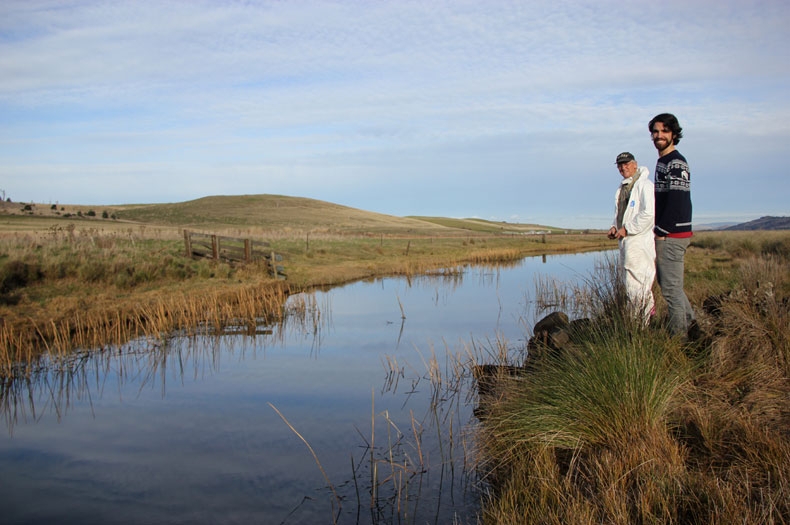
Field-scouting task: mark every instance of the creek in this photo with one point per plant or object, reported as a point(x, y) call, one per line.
point(356, 409)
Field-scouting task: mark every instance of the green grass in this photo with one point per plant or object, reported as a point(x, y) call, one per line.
point(607, 389)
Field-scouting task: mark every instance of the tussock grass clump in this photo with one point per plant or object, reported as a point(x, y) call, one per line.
point(584, 435)
point(630, 426)
point(592, 395)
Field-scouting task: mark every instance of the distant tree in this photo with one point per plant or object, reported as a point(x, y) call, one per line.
point(91, 213)
point(105, 215)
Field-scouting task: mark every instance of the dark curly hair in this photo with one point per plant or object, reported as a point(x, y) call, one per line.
point(670, 122)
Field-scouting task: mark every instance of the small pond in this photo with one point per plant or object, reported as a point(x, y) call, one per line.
point(354, 410)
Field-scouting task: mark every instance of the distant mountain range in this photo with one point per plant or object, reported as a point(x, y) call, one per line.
point(713, 226)
point(763, 223)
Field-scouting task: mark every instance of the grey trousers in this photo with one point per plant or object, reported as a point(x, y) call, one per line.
point(670, 255)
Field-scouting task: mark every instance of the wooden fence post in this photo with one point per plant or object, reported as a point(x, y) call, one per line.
point(187, 244)
point(235, 250)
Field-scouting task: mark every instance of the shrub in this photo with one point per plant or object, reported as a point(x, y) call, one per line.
point(205, 269)
point(61, 269)
point(18, 274)
point(745, 247)
point(93, 271)
point(777, 247)
point(122, 264)
point(123, 281)
point(709, 243)
point(142, 275)
point(174, 268)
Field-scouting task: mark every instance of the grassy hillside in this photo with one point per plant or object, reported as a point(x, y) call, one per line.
point(764, 223)
point(271, 212)
point(264, 212)
point(484, 226)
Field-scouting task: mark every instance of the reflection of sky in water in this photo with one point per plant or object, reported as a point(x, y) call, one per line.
point(185, 434)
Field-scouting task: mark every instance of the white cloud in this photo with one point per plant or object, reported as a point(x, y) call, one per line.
point(318, 95)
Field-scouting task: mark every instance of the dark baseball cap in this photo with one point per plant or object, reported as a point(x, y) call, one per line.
point(624, 157)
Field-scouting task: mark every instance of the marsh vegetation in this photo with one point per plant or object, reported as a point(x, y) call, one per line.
point(370, 374)
point(629, 426)
point(83, 282)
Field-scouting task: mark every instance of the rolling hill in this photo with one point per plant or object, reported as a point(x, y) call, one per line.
point(271, 212)
point(299, 213)
point(764, 223)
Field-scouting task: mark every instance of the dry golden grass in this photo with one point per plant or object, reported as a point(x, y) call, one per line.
point(106, 274)
point(717, 450)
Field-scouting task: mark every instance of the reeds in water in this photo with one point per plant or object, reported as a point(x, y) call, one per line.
point(430, 446)
point(187, 314)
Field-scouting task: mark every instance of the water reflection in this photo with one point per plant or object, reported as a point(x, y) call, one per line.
point(355, 407)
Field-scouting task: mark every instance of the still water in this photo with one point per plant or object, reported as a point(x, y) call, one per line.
point(355, 412)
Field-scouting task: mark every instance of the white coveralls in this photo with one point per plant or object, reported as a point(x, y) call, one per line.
point(637, 264)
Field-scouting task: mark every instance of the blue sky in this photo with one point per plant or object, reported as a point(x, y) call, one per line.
point(500, 110)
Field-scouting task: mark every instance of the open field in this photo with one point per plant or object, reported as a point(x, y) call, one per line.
point(76, 276)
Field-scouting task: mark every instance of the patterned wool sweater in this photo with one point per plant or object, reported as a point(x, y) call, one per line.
point(673, 196)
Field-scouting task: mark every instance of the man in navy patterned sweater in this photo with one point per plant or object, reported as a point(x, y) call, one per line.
point(673, 221)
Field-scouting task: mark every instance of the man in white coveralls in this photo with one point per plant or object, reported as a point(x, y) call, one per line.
point(633, 224)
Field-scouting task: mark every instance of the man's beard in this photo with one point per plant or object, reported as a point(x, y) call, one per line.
point(661, 144)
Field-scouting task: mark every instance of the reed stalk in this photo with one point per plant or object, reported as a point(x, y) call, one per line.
point(335, 499)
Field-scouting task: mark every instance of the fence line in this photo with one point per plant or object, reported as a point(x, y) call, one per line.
point(231, 249)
